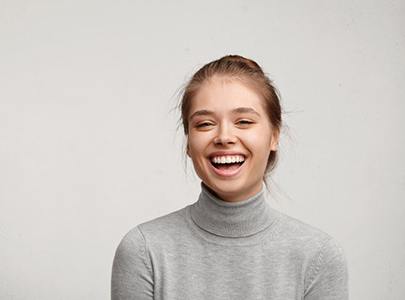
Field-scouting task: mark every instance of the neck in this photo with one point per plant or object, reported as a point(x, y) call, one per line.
point(231, 219)
point(235, 196)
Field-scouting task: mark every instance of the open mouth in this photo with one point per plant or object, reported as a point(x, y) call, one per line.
point(227, 166)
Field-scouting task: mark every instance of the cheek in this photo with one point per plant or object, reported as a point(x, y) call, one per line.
point(259, 143)
point(197, 144)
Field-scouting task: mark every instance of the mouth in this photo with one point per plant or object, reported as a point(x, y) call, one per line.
point(227, 166)
point(227, 169)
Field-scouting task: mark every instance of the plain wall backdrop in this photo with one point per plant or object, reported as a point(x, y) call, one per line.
point(89, 146)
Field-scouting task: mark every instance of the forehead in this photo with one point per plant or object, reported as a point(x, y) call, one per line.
point(224, 94)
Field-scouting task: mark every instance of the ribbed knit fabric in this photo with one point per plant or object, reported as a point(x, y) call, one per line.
point(213, 249)
point(231, 219)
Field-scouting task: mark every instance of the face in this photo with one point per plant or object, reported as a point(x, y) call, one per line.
point(228, 124)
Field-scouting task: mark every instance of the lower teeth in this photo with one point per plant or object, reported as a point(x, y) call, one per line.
point(228, 166)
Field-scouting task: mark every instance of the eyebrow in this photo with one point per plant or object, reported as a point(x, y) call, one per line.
point(239, 110)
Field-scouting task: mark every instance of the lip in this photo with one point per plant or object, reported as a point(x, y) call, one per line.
point(226, 173)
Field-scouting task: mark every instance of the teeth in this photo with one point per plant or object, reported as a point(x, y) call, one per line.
point(227, 159)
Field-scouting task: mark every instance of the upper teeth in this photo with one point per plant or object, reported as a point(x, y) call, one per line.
point(227, 159)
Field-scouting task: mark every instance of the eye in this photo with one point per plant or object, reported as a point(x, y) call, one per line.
point(205, 124)
point(244, 122)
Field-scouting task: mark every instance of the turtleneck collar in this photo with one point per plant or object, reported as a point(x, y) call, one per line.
point(231, 219)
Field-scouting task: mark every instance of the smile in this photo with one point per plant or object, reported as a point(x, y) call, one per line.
point(228, 168)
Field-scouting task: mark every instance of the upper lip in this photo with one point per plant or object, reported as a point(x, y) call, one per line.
point(223, 153)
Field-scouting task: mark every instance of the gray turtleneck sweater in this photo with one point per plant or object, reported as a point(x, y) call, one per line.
point(213, 249)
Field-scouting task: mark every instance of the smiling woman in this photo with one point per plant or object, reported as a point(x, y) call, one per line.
point(230, 243)
point(235, 123)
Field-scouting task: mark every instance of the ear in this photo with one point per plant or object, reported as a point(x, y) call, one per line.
point(274, 140)
point(188, 150)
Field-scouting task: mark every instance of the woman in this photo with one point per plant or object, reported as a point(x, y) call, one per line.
point(230, 243)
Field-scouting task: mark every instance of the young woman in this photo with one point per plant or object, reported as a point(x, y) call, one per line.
point(230, 243)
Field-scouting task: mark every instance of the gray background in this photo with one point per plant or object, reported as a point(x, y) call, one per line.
point(88, 140)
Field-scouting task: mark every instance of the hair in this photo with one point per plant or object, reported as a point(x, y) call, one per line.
point(249, 72)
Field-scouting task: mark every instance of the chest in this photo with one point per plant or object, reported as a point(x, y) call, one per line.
point(217, 272)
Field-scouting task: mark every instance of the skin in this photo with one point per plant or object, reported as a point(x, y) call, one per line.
point(224, 130)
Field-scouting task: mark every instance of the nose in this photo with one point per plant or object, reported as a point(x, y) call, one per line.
point(224, 136)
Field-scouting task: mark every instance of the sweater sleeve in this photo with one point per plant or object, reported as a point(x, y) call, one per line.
point(132, 276)
point(327, 278)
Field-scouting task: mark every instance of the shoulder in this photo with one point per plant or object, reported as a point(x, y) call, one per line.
point(322, 254)
point(132, 248)
point(157, 230)
point(163, 225)
point(135, 244)
point(303, 234)
point(309, 242)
